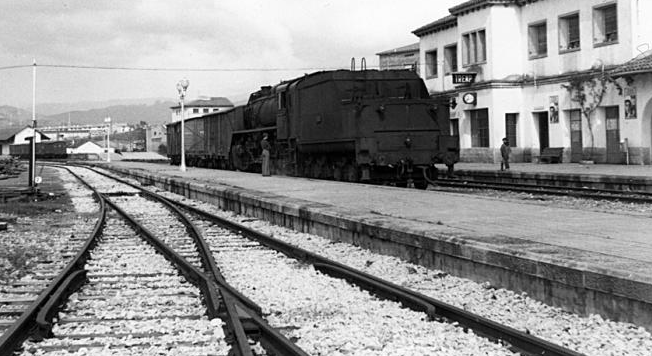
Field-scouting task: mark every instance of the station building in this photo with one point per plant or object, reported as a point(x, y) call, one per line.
point(545, 74)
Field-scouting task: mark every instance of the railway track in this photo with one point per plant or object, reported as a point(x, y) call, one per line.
point(232, 243)
point(119, 295)
point(587, 193)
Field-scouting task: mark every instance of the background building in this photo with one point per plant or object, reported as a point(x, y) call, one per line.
point(406, 57)
point(201, 106)
point(13, 137)
point(527, 56)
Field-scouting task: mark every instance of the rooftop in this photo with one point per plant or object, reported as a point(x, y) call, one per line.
point(474, 4)
point(207, 102)
point(409, 48)
point(640, 64)
point(441, 24)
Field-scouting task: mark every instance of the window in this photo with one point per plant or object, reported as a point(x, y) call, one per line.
point(605, 24)
point(195, 111)
point(431, 64)
point(475, 50)
point(450, 59)
point(510, 128)
point(206, 110)
point(480, 128)
point(569, 32)
point(282, 103)
point(538, 40)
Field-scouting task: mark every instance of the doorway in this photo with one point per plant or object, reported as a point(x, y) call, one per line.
point(576, 135)
point(544, 141)
point(614, 156)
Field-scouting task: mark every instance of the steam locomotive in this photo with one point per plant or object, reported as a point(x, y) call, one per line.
point(369, 126)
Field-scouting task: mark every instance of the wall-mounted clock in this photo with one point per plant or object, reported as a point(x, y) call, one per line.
point(469, 98)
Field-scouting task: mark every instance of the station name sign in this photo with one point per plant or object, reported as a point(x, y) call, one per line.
point(464, 77)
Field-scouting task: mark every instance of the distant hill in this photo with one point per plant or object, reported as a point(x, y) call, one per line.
point(11, 117)
point(153, 114)
point(50, 109)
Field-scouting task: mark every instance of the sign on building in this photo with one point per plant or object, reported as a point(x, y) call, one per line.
point(464, 77)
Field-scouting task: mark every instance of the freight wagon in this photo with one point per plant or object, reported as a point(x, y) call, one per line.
point(44, 150)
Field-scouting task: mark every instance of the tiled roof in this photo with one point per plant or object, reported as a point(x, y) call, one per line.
point(474, 4)
point(210, 102)
point(7, 134)
point(409, 48)
point(442, 23)
point(640, 64)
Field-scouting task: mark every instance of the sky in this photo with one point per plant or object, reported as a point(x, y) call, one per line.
point(261, 36)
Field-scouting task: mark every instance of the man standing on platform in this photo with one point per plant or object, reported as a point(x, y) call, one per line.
point(264, 144)
point(505, 151)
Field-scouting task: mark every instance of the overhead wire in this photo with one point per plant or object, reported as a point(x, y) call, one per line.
point(169, 69)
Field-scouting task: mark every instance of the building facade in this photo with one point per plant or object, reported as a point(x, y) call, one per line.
point(71, 132)
point(155, 136)
point(201, 106)
point(406, 57)
point(544, 77)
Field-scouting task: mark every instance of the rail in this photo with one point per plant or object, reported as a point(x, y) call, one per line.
point(521, 341)
point(26, 324)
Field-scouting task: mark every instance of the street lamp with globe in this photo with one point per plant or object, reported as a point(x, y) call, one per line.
point(182, 85)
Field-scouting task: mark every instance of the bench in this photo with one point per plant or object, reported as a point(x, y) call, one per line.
point(551, 155)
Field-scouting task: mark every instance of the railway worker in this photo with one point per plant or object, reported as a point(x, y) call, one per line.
point(264, 144)
point(505, 151)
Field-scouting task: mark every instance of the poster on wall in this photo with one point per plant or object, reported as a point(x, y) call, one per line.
point(630, 103)
point(554, 109)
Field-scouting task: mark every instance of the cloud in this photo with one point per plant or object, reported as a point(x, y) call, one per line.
point(194, 34)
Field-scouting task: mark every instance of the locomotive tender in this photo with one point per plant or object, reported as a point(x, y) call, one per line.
point(369, 125)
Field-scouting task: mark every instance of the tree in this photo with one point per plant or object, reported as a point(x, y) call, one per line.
point(163, 149)
point(588, 90)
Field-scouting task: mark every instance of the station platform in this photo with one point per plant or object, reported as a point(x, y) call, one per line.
point(583, 261)
point(595, 176)
point(617, 170)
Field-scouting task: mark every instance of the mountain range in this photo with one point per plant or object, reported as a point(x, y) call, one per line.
point(154, 113)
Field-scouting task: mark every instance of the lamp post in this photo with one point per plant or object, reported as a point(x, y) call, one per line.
point(32, 158)
point(108, 139)
point(182, 85)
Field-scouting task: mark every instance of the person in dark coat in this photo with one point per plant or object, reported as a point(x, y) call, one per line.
point(505, 151)
point(264, 144)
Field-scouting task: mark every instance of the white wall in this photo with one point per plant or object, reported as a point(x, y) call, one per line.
point(438, 41)
point(589, 55)
point(22, 136)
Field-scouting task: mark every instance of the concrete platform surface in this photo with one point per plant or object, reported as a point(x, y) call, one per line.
point(644, 171)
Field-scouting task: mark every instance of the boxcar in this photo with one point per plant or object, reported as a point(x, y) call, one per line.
point(44, 150)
